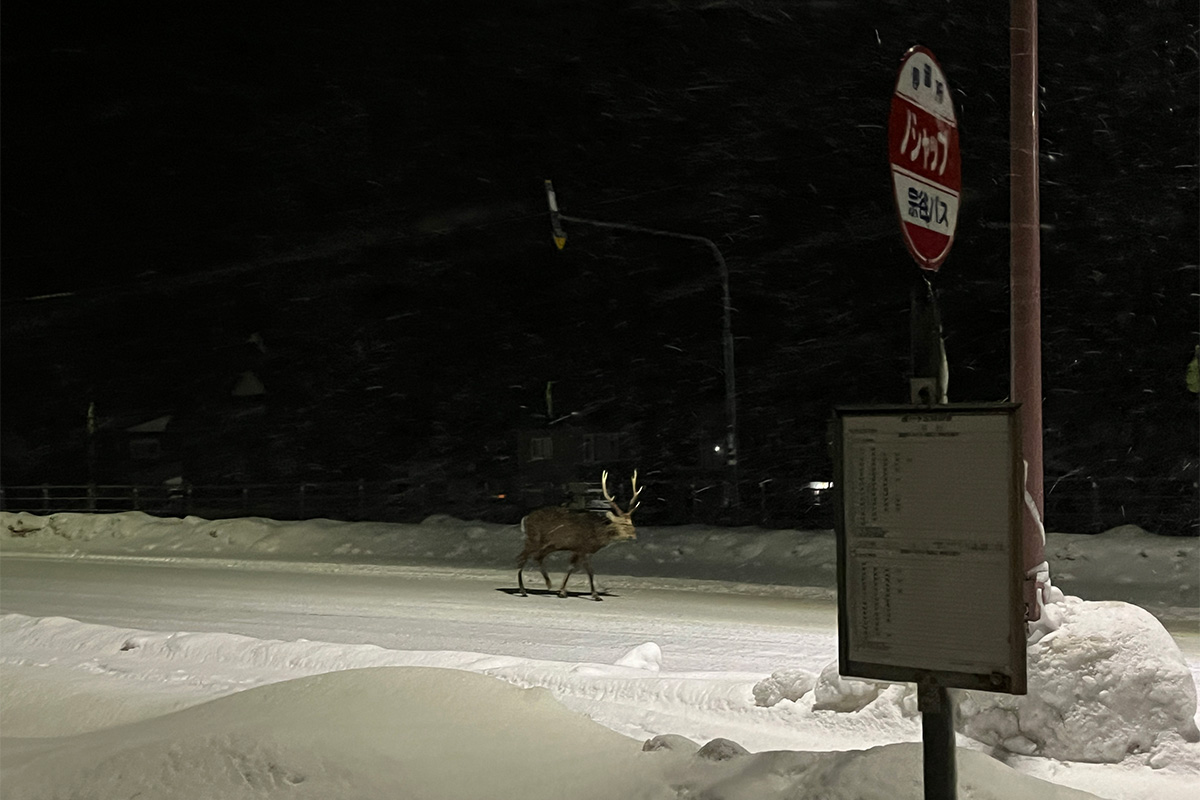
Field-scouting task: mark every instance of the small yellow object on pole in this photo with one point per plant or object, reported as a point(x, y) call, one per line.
point(560, 236)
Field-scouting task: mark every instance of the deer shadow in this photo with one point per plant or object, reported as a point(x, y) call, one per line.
point(554, 593)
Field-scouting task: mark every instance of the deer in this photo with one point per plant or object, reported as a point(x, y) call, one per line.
point(548, 530)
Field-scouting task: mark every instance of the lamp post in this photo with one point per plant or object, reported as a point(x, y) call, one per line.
point(731, 439)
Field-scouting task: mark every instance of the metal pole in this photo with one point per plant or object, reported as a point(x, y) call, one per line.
point(731, 437)
point(1025, 267)
point(731, 443)
point(731, 432)
point(928, 353)
point(937, 736)
point(91, 456)
point(933, 701)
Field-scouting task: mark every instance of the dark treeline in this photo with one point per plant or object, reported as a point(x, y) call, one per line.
point(363, 191)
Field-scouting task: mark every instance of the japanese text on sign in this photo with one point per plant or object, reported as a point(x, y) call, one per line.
point(925, 204)
point(926, 208)
point(925, 144)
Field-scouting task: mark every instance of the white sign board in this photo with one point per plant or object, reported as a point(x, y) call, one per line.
point(929, 545)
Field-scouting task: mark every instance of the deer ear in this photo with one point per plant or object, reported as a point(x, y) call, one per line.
point(611, 515)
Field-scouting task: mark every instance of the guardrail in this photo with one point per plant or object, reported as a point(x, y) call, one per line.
point(346, 500)
point(1078, 505)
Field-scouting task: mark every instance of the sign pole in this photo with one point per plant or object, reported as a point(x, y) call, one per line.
point(926, 185)
point(1025, 278)
point(937, 738)
point(929, 374)
point(940, 761)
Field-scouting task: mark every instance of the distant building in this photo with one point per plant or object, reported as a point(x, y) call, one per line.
point(563, 463)
point(145, 442)
point(143, 453)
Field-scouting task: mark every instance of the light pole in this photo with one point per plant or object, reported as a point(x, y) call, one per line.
point(731, 438)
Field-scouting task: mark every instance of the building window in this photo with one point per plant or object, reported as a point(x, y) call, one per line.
point(541, 448)
point(600, 448)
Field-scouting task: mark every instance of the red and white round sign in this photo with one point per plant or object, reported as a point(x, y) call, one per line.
point(923, 153)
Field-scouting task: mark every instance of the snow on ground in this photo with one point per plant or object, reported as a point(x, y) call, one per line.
point(438, 733)
point(102, 711)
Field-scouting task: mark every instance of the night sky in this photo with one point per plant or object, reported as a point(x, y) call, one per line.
point(363, 189)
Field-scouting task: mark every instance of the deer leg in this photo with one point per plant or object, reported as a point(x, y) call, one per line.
point(562, 591)
point(587, 563)
point(520, 578)
point(540, 557)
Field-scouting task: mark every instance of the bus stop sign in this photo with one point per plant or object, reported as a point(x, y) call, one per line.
point(924, 158)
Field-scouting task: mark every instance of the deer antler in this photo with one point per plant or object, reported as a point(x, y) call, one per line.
point(633, 503)
point(607, 496)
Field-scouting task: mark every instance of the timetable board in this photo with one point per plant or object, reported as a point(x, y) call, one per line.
point(928, 505)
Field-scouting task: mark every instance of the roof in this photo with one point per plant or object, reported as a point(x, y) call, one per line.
point(157, 425)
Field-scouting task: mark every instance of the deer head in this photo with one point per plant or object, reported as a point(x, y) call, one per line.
point(621, 519)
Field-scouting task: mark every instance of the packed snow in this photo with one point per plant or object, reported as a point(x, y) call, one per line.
point(91, 710)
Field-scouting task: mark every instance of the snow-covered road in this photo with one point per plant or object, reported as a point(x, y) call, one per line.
point(698, 625)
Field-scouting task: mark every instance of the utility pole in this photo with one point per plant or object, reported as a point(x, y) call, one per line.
point(91, 456)
point(732, 497)
point(1025, 286)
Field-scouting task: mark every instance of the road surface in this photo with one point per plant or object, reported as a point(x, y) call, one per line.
point(697, 626)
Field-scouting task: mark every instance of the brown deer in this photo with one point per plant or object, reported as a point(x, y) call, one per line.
point(548, 530)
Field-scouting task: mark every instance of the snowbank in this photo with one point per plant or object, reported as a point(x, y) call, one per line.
point(1107, 681)
point(1160, 573)
point(440, 734)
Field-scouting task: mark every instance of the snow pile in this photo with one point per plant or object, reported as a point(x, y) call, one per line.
point(784, 684)
point(647, 656)
point(830, 691)
point(133, 533)
point(1107, 681)
point(382, 732)
point(449, 735)
point(62, 678)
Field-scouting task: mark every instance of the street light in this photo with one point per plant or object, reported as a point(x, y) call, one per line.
point(731, 438)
